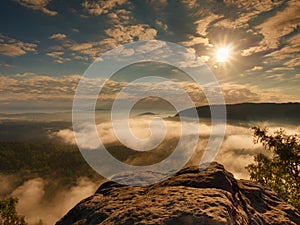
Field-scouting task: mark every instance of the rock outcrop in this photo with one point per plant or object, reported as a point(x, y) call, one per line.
point(211, 197)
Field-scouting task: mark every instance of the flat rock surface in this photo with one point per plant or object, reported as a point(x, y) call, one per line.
point(211, 197)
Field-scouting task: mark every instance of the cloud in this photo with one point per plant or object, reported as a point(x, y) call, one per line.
point(5, 64)
point(79, 51)
point(89, 50)
point(234, 93)
point(35, 207)
point(8, 183)
point(57, 57)
point(245, 11)
point(201, 32)
point(203, 24)
point(195, 41)
point(236, 152)
point(58, 36)
point(81, 46)
point(117, 35)
point(25, 75)
point(106, 131)
point(37, 87)
point(144, 138)
point(124, 34)
point(161, 25)
point(280, 69)
point(287, 51)
point(288, 54)
point(221, 26)
point(28, 87)
point(191, 3)
point(96, 8)
point(119, 16)
point(293, 62)
point(55, 54)
point(274, 28)
point(37, 5)
point(255, 68)
point(283, 23)
point(13, 48)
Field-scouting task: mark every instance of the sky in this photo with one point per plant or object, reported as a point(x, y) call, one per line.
point(253, 47)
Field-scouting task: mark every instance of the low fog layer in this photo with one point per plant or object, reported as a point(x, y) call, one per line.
point(236, 152)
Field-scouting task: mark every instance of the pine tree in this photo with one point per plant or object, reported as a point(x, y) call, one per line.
point(8, 213)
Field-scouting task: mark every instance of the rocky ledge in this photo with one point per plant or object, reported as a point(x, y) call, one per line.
point(211, 197)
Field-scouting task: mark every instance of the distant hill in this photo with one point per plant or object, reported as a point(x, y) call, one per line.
point(284, 112)
point(147, 114)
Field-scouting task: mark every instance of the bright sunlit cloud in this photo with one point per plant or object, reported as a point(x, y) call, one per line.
point(223, 54)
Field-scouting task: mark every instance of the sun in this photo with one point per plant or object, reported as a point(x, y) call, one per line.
point(223, 54)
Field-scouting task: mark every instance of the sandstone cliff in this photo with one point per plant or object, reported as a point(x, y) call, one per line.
point(211, 197)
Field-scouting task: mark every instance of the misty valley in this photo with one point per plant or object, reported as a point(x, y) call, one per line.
point(42, 166)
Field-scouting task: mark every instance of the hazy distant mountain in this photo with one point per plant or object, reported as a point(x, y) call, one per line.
point(283, 112)
point(147, 114)
point(212, 196)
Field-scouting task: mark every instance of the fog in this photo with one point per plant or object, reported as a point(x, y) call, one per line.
point(236, 152)
point(36, 206)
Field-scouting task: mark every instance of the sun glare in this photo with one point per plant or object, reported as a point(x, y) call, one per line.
point(223, 54)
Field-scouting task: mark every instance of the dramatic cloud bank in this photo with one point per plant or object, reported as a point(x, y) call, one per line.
point(236, 152)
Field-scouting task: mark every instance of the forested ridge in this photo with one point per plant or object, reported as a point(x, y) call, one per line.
point(46, 160)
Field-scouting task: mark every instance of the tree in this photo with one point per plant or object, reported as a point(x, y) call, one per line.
point(8, 213)
point(281, 171)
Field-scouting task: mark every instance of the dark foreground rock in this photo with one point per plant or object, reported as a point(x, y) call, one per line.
point(209, 197)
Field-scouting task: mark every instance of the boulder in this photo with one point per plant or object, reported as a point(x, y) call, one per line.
point(211, 197)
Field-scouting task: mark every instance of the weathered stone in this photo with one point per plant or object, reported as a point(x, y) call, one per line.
point(211, 197)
